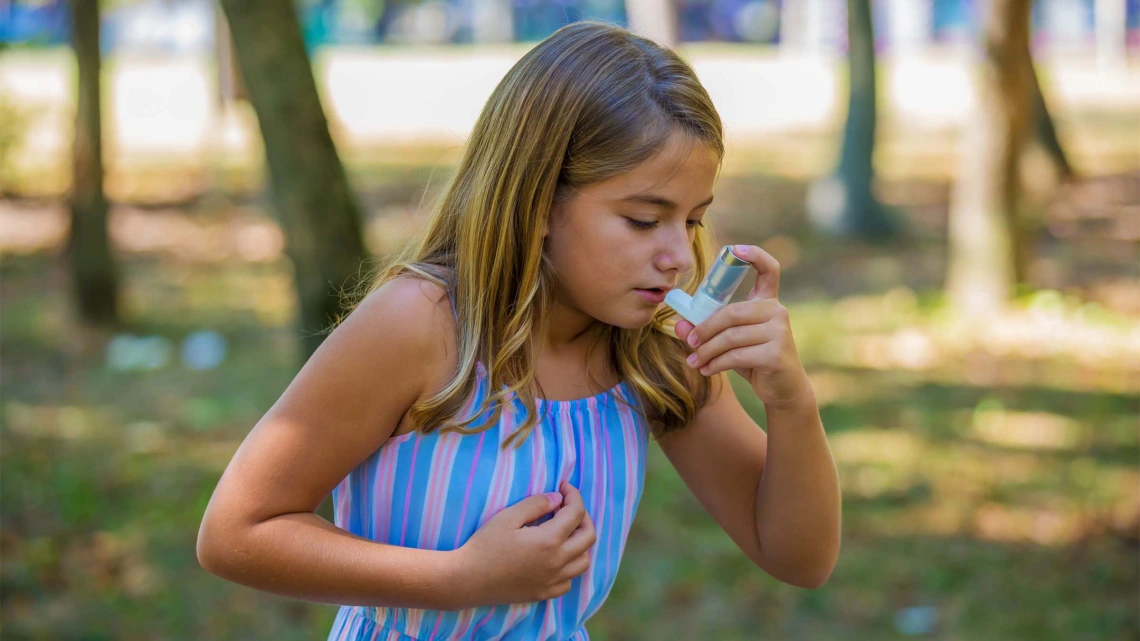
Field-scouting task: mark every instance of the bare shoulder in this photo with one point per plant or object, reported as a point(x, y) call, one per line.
point(410, 308)
point(415, 316)
point(345, 402)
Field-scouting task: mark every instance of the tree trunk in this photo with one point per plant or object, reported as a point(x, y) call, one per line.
point(94, 277)
point(317, 210)
point(654, 19)
point(843, 204)
point(1044, 132)
point(230, 86)
point(989, 249)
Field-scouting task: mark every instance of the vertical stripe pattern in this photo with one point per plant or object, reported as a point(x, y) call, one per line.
point(434, 491)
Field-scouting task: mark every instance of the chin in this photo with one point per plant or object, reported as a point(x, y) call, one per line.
point(635, 320)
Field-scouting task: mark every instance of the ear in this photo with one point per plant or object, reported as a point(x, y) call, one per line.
point(555, 208)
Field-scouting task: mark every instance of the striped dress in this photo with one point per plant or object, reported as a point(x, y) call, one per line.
point(434, 491)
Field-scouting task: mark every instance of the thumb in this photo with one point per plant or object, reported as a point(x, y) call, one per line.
point(533, 507)
point(683, 328)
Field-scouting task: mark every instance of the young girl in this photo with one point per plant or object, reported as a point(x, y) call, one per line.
point(482, 416)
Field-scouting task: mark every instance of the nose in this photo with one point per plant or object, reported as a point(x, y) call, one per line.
point(675, 256)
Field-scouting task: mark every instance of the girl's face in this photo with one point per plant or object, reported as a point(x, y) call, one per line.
point(631, 232)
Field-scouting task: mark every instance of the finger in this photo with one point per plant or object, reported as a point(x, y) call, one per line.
point(569, 516)
point(732, 359)
point(751, 312)
point(581, 540)
point(683, 328)
point(532, 508)
point(730, 339)
point(559, 590)
point(575, 567)
point(767, 271)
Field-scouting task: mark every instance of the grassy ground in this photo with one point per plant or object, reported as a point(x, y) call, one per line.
point(991, 475)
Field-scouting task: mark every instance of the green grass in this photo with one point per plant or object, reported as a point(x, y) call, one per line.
point(984, 476)
point(106, 475)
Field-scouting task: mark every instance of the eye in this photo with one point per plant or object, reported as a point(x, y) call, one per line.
point(641, 224)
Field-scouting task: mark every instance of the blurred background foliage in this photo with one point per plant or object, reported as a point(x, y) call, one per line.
point(989, 447)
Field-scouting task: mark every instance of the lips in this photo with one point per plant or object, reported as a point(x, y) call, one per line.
point(654, 295)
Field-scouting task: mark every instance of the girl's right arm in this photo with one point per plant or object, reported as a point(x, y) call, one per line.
point(260, 528)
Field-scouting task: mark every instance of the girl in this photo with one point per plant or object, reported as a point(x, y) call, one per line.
point(482, 416)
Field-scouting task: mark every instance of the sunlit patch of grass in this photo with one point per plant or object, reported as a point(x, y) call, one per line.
point(987, 477)
point(1045, 339)
point(870, 445)
point(1034, 430)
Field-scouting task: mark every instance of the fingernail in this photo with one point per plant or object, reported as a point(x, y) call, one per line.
point(555, 498)
point(692, 359)
point(693, 340)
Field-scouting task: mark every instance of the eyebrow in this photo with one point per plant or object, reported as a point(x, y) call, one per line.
point(660, 201)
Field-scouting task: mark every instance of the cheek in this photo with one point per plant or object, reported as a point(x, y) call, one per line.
point(588, 247)
point(597, 259)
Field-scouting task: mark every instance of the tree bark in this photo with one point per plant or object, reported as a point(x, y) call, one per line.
point(844, 204)
point(94, 276)
point(989, 246)
point(317, 209)
point(1044, 132)
point(231, 88)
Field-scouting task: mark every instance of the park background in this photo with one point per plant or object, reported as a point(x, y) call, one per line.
point(951, 186)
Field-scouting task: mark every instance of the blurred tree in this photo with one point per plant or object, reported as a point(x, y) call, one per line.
point(989, 242)
point(654, 19)
point(843, 203)
point(1045, 133)
point(230, 86)
point(317, 209)
point(94, 276)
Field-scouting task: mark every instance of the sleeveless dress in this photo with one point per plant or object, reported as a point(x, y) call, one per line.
point(434, 491)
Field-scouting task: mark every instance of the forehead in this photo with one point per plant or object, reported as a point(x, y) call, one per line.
point(685, 169)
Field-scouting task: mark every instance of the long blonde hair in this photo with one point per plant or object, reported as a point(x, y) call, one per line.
point(590, 102)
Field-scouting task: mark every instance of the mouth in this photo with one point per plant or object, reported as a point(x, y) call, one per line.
point(654, 295)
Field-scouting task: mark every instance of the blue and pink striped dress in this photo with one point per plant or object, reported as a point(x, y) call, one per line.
point(434, 491)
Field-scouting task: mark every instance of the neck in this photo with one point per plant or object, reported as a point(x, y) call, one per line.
point(569, 330)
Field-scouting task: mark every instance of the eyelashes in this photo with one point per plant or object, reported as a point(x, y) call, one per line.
point(645, 226)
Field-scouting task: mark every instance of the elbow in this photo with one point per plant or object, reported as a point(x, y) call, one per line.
point(210, 550)
point(205, 550)
point(813, 573)
point(805, 574)
point(811, 580)
point(808, 579)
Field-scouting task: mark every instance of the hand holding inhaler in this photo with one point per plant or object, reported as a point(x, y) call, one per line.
point(753, 337)
point(723, 278)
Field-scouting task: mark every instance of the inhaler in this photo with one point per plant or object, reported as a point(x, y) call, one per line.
point(722, 280)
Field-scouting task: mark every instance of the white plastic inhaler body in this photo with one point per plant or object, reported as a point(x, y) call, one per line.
point(724, 277)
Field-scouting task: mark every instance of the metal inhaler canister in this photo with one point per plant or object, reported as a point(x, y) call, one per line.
point(723, 278)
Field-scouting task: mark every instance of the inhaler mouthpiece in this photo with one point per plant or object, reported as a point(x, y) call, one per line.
point(723, 278)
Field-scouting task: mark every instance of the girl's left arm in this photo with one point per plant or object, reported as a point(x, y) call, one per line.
point(777, 495)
